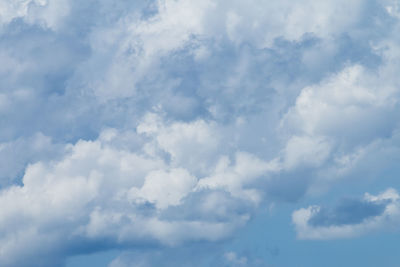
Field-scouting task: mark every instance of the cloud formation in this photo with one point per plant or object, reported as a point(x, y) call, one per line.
point(162, 123)
point(102, 191)
point(351, 217)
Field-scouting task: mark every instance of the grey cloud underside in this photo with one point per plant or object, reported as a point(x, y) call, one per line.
point(350, 218)
point(162, 123)
point(348, 211)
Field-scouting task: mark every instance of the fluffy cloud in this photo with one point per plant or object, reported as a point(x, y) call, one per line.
point(99, 192)
point(351, 217)
point(354, 95)
point(170, 122)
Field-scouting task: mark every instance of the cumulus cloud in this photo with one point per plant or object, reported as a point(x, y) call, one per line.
point(162, 123)
point(351, 217)
point(350, 97)
point(98, 192)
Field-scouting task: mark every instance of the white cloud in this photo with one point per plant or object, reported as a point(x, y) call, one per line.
point(236, 177)
point(352, 97)
point(305, 151)
point(165, 188)
point(48, 13)
point(98, 191)
point(386, 220)
point(202, 109)
point(288, 19)
point(191, 145)
point(234, 260)
point(336, 124)
point(136, 47)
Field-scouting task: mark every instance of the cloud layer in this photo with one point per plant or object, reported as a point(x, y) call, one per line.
point(160, 124)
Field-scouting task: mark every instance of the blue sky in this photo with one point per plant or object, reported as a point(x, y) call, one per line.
point(199, 133)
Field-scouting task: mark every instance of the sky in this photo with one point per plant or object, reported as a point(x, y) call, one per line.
point(199, 133)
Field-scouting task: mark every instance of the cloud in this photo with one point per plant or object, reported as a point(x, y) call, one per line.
point(99, 193)
point(337, 123)
point(348, 211)
point(48, 13)
point(165, 123)
point(15, 156)
point(347, 98)
point(351, 217)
